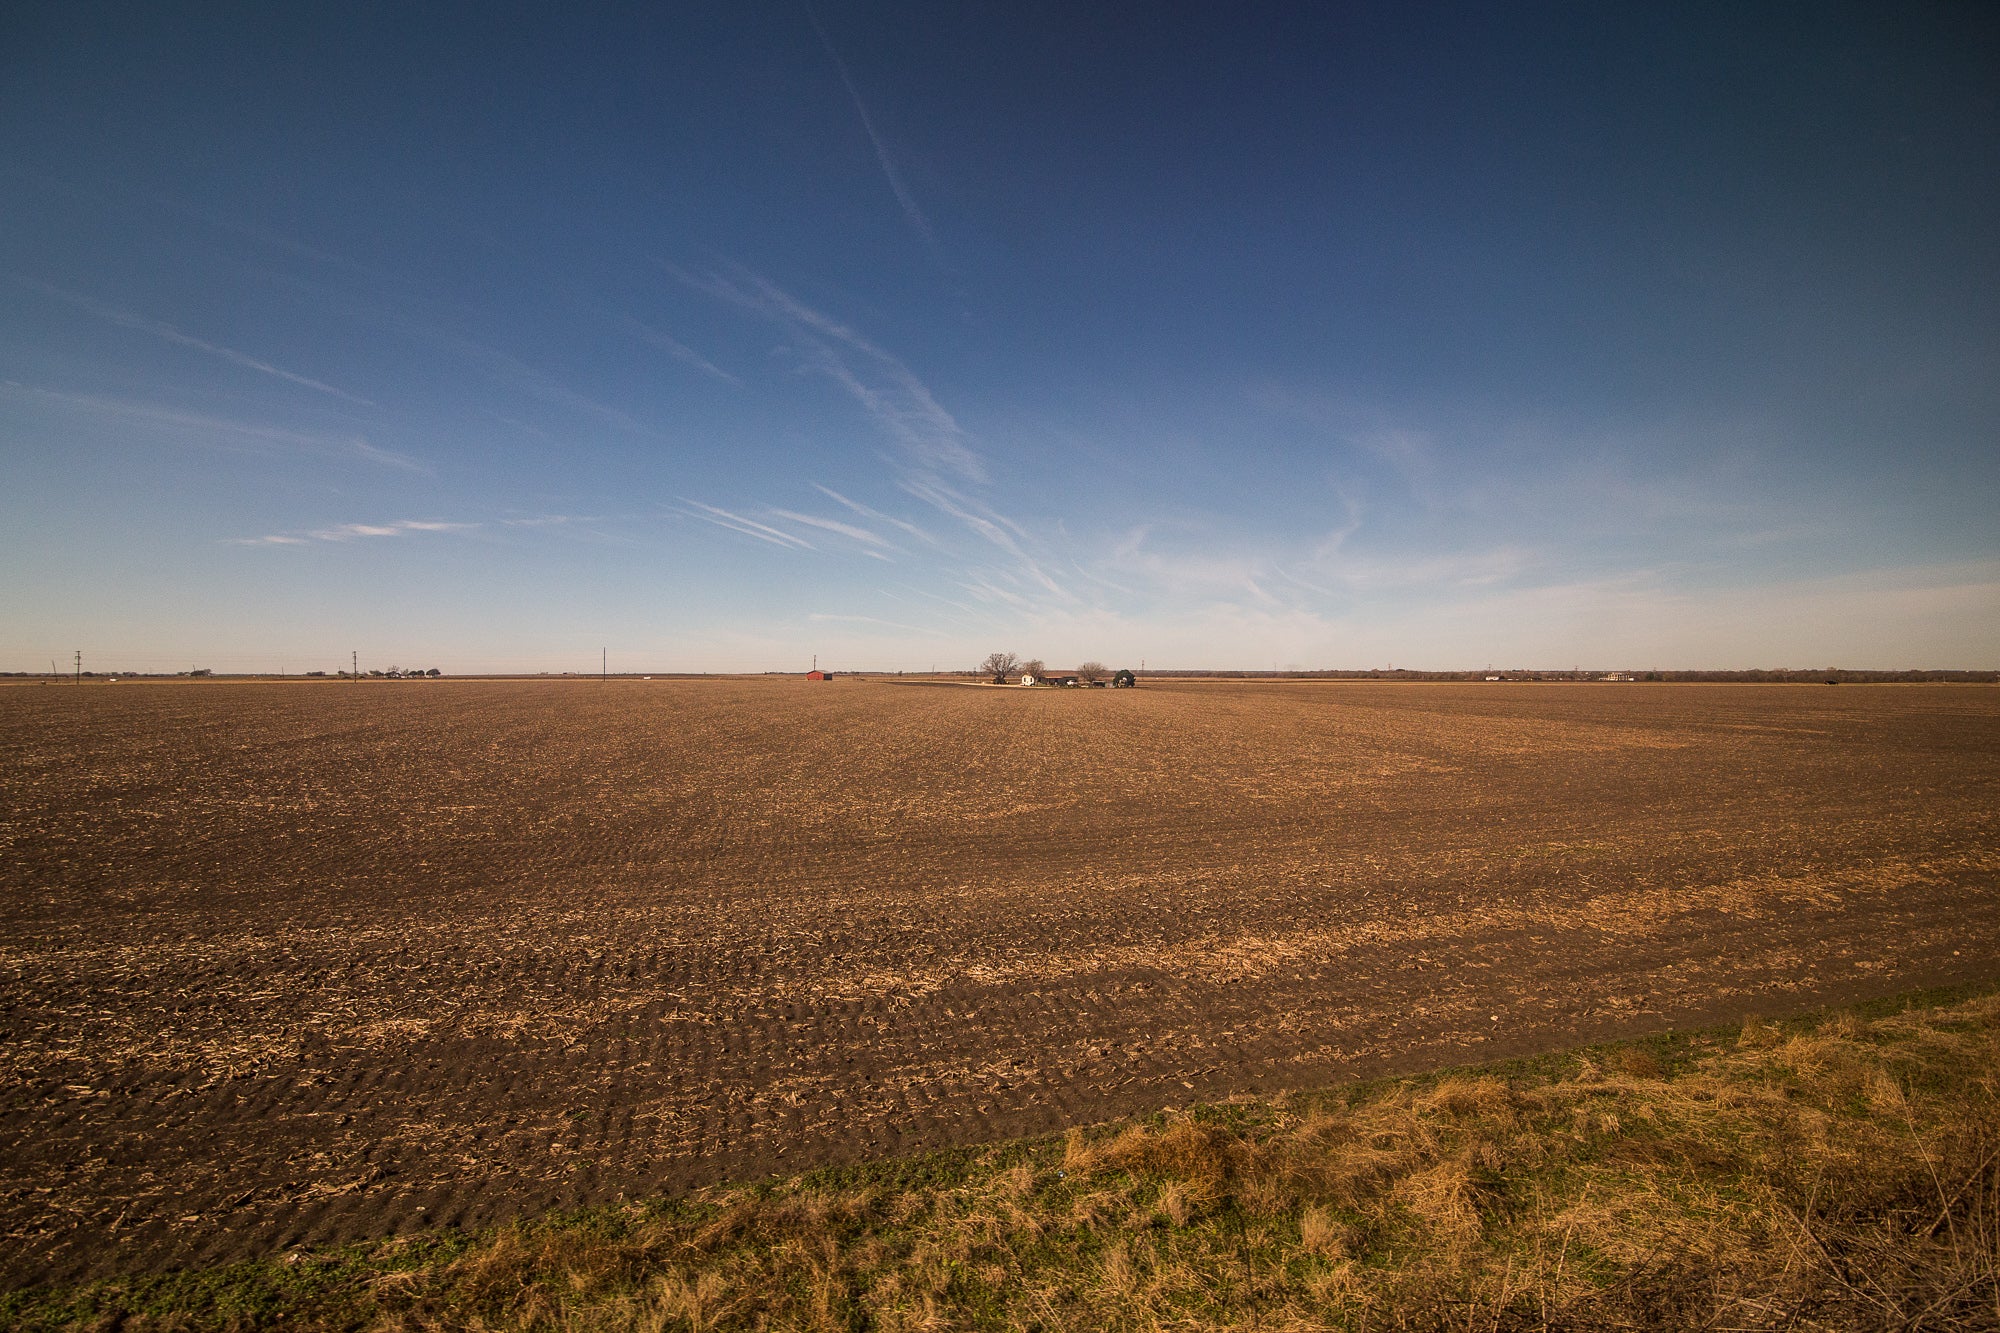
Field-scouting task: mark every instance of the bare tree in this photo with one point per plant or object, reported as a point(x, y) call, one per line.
point(999, 666)
point(1033, 667)
point(1091, 672)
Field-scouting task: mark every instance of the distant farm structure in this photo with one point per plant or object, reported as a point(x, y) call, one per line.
point(1004, 668)
point(1124, 680)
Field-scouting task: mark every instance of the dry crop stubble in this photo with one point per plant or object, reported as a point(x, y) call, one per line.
point(1706, 1184)
point(300, 963)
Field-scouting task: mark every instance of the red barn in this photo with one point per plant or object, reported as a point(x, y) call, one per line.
point(819, 675)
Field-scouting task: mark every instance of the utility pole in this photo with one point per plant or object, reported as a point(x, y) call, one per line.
point(79, 666)
point(604, 664)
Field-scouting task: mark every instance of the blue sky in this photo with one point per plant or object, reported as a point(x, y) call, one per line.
point(720, 336)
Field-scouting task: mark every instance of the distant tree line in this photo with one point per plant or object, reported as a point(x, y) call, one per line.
point(1003, 667)
point(206, 673)
point(1782, 675)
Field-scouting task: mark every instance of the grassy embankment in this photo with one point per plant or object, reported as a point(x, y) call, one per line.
point(1841, 1171)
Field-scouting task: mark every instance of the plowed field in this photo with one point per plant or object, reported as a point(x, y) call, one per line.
point(291, 963)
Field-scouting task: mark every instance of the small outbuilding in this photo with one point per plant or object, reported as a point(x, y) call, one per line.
point(817, 674)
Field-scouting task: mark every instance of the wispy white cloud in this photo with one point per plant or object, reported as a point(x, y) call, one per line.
point(988, 523)
point(901, 524)
point(982, 518)
point(887, 389)
point(834, 525)
point(959, 611)
point(1932, 615)
point(827, 619)
point(1185, 568)
point(346, 532)
point(388, 457)
point(749, 527)
point(1336, 537)
point(515, 423)
point(871, 544)
point(1659, 479)
point(937, 464)
point(168, 333)
point(904, 199)
point(1410, 454)
point(605, 530)
point(1443, 570)
point(1945, 615)
point(677, 349)
point(218, 432)
point(526, 379)
point(1190, 572)
point(984, 589)
point(275, 240)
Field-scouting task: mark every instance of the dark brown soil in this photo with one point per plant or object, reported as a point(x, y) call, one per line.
point(288, 964)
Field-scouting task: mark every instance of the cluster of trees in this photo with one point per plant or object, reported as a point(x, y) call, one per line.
point(1002, 666)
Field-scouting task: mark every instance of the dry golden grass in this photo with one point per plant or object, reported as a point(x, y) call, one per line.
point(1836, 1174)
